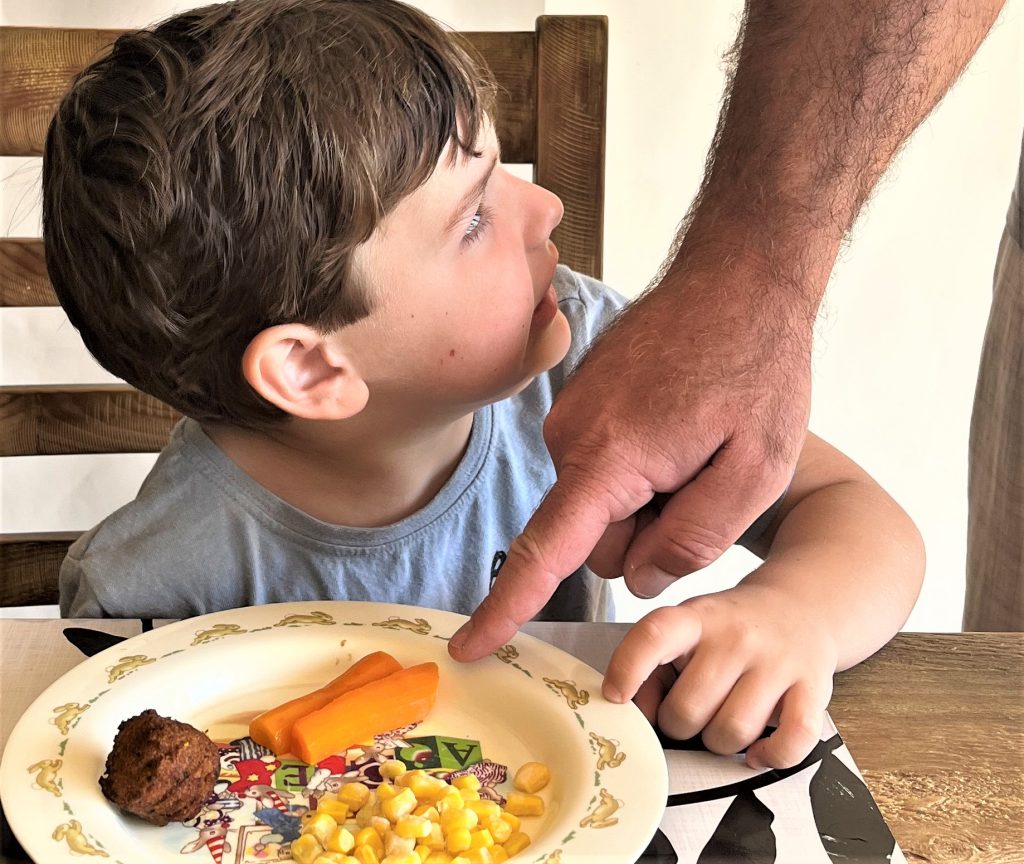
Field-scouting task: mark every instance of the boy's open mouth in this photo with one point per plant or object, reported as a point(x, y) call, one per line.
point(545, 310)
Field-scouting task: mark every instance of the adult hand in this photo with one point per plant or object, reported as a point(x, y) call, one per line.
point(701, 390)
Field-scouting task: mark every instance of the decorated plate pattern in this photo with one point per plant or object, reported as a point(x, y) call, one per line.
point(528, 702)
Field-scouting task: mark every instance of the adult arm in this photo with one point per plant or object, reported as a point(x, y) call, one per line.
point(701, 390)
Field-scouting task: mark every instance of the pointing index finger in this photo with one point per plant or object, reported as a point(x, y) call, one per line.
point(556, 541)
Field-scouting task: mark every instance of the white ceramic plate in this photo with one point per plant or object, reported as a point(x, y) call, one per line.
point(529, 701)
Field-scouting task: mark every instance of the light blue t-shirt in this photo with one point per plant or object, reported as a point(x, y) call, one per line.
point(202, 536)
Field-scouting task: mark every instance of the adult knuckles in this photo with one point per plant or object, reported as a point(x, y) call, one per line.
point(690, 547)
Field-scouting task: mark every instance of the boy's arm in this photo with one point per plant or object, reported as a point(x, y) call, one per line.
point(843, 567)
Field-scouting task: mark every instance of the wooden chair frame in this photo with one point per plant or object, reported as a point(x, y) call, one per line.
point(551, 113)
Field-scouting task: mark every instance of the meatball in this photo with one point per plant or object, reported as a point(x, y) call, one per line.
point(160, 769)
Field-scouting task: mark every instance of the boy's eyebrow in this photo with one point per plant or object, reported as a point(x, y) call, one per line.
point(471, 195)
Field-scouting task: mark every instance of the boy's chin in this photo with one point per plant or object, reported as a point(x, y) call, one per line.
point(553, 343)
point(547, 352)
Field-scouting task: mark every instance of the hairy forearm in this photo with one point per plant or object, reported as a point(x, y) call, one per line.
point(847, 557)
point(823, 94)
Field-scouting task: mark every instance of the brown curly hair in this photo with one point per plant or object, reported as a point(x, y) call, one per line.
point(212, 176)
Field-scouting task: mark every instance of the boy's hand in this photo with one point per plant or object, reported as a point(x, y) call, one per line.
point(745, 658)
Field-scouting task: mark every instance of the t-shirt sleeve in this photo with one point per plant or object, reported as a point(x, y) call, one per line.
point(78, 599)
point(589, 305)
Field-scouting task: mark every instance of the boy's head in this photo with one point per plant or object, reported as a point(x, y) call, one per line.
point(214, 178)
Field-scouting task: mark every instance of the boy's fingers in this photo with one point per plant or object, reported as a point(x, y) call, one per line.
point(744, 714)
point(651, 693)
point(655, 640)
point(800, 725)
point(556, 541)
point(700, 521)
point(702, 688)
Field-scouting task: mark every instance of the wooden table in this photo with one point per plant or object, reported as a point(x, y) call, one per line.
point(948, 775)
point(934, 722)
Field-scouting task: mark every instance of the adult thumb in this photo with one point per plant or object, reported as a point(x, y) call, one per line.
point(696, 525)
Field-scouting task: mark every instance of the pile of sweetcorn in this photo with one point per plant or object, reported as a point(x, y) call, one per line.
point(416, 818)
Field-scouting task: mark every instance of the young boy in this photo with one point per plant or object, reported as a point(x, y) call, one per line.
point(290, 221)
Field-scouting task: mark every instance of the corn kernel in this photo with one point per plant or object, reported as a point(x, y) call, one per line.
point(459, 840)
point(428, 788)
point(466, 781)
point(392, 769)
point(367, 812)
point(455, 819)
point(480, 855)
point(452, 800)
point(480, 839)
point(369, 838)
point(354, 795)
point(401, 805)
point(436, 838)
point(386, 791)
point(321, 826)
point(470, 795)
point(428, 812)
point(485, 810)
point(532, 777)
point(438, 857)
point(413, 826)
point(337, 810)
point(366, 855)
point(332, 858)
point(423, 852)
point(516, 843)
point(305, 849)
point(404, 858)
point(499, 855)
point(512, 820)
point(524, 804)
point(340, 841)
point(500, 830)
point(396, 846)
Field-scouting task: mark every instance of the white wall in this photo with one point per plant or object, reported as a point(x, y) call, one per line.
point(901, 326)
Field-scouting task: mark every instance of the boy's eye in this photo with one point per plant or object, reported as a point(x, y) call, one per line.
point(480, 220)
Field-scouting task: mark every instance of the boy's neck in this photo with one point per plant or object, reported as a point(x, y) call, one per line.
point(346, 475)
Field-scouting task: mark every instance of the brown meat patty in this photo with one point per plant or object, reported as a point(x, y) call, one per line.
point(160, 769)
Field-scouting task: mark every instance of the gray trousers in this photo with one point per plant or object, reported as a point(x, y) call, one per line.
point(995, 531)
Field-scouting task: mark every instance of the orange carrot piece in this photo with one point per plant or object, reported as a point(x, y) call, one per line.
point(273, 728)
point(401, 698)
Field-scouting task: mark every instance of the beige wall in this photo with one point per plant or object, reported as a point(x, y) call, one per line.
point(901, 326)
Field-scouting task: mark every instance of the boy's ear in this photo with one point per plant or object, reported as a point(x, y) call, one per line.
point(301, 372)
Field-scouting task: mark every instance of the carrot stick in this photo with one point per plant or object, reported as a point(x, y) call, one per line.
point(273, 728)
point(401, 698)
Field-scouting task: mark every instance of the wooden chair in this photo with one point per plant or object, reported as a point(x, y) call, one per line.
point(553, 84)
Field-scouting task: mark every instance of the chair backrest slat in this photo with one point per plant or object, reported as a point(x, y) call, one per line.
point(570, 131)
point(50, 424)
point(23, 279)
point(551, 112)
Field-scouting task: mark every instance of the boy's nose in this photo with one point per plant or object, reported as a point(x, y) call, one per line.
point(547, 213)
